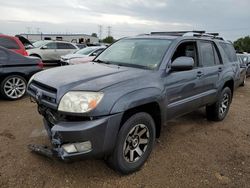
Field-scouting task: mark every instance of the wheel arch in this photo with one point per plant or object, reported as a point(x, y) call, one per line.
point(35, 55)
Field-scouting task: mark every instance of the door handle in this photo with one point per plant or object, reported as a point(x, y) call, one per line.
point(220, 69)
point(200, 74)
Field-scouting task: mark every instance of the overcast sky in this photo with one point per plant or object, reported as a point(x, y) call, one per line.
point(126, 17)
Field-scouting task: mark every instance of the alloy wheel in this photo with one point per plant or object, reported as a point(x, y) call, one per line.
point(224, 104)
point(14, 87)
point(136, 143)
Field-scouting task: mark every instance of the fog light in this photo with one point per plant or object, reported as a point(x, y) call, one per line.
point(77, 147)
point(69, 148)
point(83, 146)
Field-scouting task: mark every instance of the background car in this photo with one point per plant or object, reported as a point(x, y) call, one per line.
point(81, 46)
point(243, 70)
point(82, 56)
point(246, 60)
point(51, 51)
point(12, 43)
point(15, 72)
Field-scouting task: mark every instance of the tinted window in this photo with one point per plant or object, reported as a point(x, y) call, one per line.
point(8, 43)
point(207, 54)
point(51, 45)
point(230, 54)
point(3, 56)
point(65, 46)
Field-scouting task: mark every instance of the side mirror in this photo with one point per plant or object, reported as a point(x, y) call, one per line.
point(94, 54)
point(182, 63)
point(44, 47)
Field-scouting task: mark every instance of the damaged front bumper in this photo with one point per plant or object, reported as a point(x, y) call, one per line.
point(81, 139)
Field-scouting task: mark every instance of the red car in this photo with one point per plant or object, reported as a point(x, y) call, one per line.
point(13, 43)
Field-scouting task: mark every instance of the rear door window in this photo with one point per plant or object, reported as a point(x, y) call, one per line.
point(65, 46)
point(207, 53)
point(51, 45)
point(8, 43)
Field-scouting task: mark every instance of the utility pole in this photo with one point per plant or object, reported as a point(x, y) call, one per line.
point(100, 32)
point(38, 30)
point(109, 31)
point(28, 29)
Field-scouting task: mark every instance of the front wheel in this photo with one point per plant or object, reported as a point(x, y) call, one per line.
point(134, 144)
point(13, 87)
point(219, 110)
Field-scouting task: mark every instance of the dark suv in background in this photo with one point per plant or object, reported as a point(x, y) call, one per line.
point(114, 107)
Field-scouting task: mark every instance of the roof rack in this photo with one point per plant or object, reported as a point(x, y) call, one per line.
point(189, 33)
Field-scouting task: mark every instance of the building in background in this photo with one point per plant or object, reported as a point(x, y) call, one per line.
point(74, 38)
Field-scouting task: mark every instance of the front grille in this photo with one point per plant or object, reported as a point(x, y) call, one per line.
point(43, 94)
point(44, 87)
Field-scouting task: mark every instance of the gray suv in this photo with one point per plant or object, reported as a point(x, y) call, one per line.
point(114, 107)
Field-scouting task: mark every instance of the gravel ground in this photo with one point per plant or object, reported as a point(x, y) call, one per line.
point(191, 152)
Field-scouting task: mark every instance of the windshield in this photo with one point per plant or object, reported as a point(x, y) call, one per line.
point(85, 51)
point(39, 44)
point(144, 53)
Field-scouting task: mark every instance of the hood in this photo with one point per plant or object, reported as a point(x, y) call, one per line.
point(72, 56)
point(87, 77)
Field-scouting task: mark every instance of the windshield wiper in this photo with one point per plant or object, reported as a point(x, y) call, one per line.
point(132, 65)
point(100, 61)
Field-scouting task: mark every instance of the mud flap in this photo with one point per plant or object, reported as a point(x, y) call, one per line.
point(43, 150)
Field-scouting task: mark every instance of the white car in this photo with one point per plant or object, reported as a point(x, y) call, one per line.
point(51, 51)
point(82, 56)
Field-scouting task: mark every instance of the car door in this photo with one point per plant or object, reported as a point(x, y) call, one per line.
point(64, 49)
point(48, 52)
point(213, 67)
point(184, 88)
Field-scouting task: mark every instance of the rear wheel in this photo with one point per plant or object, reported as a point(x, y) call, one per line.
point(134, 145)
point(13, 87)
point(219, 110)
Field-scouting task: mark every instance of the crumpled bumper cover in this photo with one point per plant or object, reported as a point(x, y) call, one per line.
point(102, 133)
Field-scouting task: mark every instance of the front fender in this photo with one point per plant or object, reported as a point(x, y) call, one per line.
point(137, 98)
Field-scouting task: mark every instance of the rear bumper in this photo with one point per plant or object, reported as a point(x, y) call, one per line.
point(101, 133)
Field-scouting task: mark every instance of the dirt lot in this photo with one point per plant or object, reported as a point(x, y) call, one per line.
point(190, 153)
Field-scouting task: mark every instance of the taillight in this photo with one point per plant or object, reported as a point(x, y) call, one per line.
point(40, 64)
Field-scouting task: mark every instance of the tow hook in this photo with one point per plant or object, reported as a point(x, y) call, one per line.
point(43, 150)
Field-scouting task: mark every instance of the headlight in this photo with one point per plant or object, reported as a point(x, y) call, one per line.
point(79, 102)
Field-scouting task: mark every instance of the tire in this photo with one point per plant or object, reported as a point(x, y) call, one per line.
point(244, 81)
point(13, 87)
point(219, 110)
point(137, 132)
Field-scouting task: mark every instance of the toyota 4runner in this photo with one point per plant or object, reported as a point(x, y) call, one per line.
point(114, 107)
